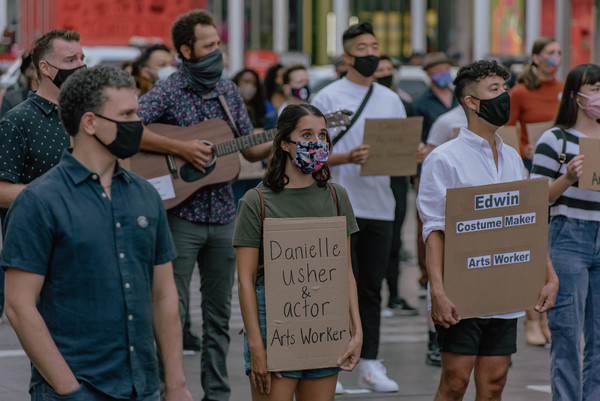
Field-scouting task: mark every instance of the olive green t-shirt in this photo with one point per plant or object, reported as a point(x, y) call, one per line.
point(311, 201)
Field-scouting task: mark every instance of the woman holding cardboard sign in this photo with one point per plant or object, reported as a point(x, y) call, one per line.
point(573, 236)
point(295, 185)
point(535, 99)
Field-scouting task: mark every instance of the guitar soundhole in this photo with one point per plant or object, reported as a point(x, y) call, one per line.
point(189, 173)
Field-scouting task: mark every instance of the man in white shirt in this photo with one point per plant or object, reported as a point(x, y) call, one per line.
point(372, 198)
point(477, 157)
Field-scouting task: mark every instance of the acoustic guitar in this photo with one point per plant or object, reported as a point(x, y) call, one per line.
point(176, 180)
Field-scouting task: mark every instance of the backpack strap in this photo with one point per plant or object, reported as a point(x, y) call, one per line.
point(262, 206)
point(335, 199)
point(562, 157)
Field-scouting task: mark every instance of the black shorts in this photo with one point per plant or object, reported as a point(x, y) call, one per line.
point(479, 337)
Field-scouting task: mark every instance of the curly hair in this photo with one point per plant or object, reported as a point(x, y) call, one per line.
point(275, 178)
point(468, 76)
point(182, 30)
point(83, 91)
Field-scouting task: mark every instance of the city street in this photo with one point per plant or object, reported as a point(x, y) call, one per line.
point(403, 346)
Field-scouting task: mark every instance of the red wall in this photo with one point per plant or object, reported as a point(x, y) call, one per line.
point(103, 22)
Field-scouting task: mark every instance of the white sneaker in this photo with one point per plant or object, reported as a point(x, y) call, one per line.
point(372, 376)
point(339, 389)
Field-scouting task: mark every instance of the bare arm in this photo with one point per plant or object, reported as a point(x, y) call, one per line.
point(562, 183)
point(8, 192)
point(247, 267)
point(194, 151)
point(167, 329)
point(549, 290)
point(443, 311)
point(358, 155)
point(22, 290)
point(258, 152)
point(352, 355)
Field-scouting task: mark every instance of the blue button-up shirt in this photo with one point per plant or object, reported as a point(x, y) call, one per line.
point(97, 254)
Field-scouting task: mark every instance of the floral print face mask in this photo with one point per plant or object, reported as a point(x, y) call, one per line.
point(310, 155)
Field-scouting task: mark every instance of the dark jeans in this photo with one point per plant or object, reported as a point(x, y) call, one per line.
point(210, 246)
point(370, 255)
point(400, 189)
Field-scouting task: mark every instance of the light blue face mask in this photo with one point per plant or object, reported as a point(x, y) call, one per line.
point(442, 79)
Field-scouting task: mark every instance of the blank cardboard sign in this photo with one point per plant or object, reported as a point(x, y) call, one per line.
point(306, 284)
point(535, 131)
point(394, 143)
point(496, 246)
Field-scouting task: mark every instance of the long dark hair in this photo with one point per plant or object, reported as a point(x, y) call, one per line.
point(275, 178)
point(256, 109)
point(581, 75)
point(529, 77)
point(270, 85)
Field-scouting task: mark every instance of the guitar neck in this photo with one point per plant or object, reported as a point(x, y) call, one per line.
point(243, 142)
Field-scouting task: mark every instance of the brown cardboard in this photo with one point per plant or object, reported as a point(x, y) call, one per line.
point(590, 176)
point(535, 131)
point(487, 287)
point(306, 283)
point(510, 136)
point(394, 143)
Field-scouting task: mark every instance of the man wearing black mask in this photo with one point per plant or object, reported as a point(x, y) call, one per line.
point(32, 138)
point(371, 197)
point(202, 226)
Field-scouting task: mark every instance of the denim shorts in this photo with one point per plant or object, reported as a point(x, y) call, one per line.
point(262, 322)
point(44, 392)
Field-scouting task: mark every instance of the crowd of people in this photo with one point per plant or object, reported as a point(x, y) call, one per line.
point(65, 128)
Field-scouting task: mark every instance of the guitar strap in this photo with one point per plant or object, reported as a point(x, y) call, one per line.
point(355, 117)
point(229, 116)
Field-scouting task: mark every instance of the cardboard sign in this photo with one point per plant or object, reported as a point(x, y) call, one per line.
point(535, 131)
point(590, 176)
point(496, 246)
point(510, 136)
point(394, 143)
point(306, 284)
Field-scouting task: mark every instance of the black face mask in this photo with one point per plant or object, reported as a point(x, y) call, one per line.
point(495, 111)
point(62, 75)
point(386, 81)
point(128, 140)
point(366, 65)
point(205, 72)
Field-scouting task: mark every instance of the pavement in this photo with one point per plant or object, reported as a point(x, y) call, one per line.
point(403, 346)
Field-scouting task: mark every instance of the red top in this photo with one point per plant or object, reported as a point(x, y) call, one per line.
point(533, 106)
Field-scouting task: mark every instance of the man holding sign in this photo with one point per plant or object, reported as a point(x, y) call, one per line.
point(477, 157)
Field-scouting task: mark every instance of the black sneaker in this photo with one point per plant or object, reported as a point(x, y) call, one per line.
point(401, 307)
point(433, 357)
point(191, 342)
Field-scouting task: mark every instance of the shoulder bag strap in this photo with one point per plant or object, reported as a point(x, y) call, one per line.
point(562, 157)
point(229, 116)
point(356, 115)
point(335, 199)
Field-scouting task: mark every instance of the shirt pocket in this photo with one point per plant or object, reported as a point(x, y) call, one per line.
point(143, 232)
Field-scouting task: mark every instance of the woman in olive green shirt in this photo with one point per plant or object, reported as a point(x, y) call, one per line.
point(295, 185)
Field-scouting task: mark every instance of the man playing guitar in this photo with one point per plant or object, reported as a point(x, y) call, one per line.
point(202, 226)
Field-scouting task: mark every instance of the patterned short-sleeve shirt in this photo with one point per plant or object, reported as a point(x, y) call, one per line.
point(175, 101)
point(32, 140)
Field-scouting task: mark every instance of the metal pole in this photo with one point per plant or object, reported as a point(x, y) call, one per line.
point(235, 25)
point(281, 19)
point(532, 23)
point(562, 12)
point(418, 39)
point(341, 9)
point(481, 29)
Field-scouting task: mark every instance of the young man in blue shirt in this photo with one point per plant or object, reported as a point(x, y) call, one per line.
point(88, 257)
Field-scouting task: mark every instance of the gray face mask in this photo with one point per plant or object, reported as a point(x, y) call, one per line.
point(205, 72)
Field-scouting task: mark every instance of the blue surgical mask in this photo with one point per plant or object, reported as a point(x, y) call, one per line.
point(442, 79)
